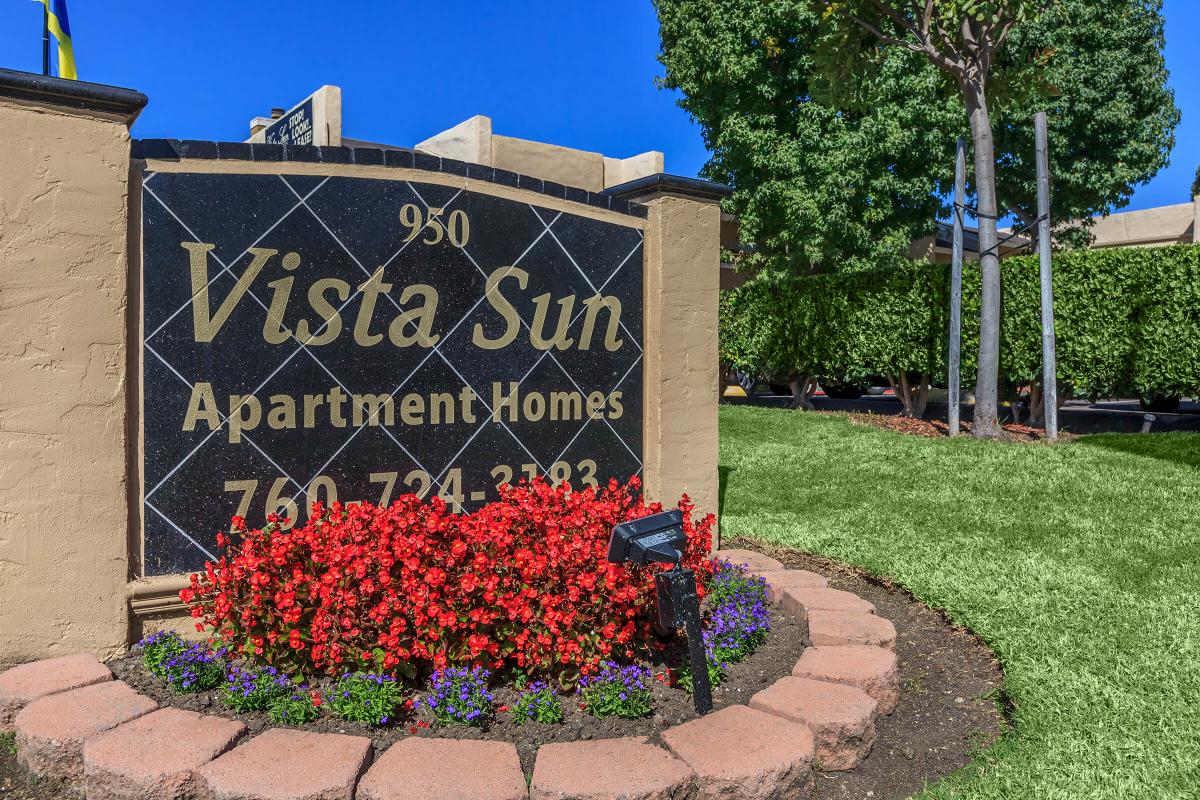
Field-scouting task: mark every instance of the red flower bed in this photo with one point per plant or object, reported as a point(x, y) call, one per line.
point(522, 582)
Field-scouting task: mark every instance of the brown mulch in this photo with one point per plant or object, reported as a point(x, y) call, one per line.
point(950, 705)
point(937, 429)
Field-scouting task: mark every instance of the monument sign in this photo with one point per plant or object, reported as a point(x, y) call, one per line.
point(339, 338)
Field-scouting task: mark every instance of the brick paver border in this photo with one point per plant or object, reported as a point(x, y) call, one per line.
point(766, 748)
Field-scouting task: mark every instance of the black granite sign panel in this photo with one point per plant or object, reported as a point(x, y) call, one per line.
point(326, 338)
point(294, 127)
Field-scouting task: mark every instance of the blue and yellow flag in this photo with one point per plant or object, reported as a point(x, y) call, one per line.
point(60, 26)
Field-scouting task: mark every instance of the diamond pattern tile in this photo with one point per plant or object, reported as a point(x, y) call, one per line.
point(331, 350)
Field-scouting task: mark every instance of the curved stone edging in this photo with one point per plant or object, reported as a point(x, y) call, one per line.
point(72, 720)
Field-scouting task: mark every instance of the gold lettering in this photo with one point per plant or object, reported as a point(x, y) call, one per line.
point(541, 309)
point(614, 405)
point(373, 402)
point(371, 289)
point(311, 403)
point(500, 402)
point(336, 399)
point(412, 409)
point(205, 326)
point(282, 415)
point(566, 405)
point(202, 406)
point(422, 315)
point(499, 302)
point(333, 320)
point(245, 412)
point(534, 406)
point(466, 399)
point(273, 330)
point(595, 404)
point(441, 408)
point(593, 305)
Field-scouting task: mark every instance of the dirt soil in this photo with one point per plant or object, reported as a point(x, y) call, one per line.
point(937, 429)
point(950, 704)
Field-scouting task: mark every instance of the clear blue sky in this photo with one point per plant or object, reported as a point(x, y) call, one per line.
point(579, 74)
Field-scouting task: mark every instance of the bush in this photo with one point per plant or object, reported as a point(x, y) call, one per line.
point(617, 691)
point(252, 691)
point(1126, 322)
point(157, 648)
point(297, 708)
point(538, 702)
point(364, 697)
point(522, 583)
point(196, 669)
point(460, 696)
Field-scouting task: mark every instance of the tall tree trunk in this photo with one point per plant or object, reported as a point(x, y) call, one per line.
point(987, 422)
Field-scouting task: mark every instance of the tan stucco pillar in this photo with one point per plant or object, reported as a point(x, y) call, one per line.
point(64, 465)
point(682, 277)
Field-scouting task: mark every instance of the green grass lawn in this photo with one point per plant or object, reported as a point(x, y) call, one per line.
point(1078, 563)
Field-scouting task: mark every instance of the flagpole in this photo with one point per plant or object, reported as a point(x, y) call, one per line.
point(46, 38)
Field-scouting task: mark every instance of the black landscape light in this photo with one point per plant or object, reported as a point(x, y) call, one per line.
point(659, 539)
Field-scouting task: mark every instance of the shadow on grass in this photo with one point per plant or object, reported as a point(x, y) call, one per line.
point(1177, 448)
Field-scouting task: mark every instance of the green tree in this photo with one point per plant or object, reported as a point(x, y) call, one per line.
point(1111, 114)
point(1196, 184)
point(820, 185)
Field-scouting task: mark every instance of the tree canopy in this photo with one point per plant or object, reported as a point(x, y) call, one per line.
point(841, 168)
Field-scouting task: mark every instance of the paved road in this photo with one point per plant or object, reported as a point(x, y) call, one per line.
point(1077, 416)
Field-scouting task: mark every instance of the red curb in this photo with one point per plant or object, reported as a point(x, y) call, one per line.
point(842, 718)
point(748, 754)
point(156, 755)
point(835, 628)
point(610, 769)
point(780, 579)
point(872, 669)
point(287, 764)
point(51, 730)
point(21, 685)
point(824, 600)
point(422, 769)
point(757, 562)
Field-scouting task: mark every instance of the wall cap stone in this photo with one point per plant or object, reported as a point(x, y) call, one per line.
point(662, 183)
point(97, 97)
point(181, 149)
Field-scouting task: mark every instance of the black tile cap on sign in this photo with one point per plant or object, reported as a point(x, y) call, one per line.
point(554, 189)
point(426, 161)
point(370, 156)
point(618, 205)
point(398, 158)
point(335, 155)
point(531, 183)
point(303, 152)
point(505, 177)
point(481, 172)
point(239, 151)
point(638, 210)
point(575, 194)
point(166, 149)
point(265, 152)
point(195, 148)
point(598, 200)
point(453, 167)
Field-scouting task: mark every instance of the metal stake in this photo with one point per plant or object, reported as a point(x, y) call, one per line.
point(956, 267)
point(1049, 359)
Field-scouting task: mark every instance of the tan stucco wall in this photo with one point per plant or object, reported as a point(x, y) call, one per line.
point(472, 140)
point(64, 520)
point(682, 276)
point(549, 162)
point(1151, 227)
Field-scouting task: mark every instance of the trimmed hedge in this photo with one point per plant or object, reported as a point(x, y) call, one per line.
point(1127, 322)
